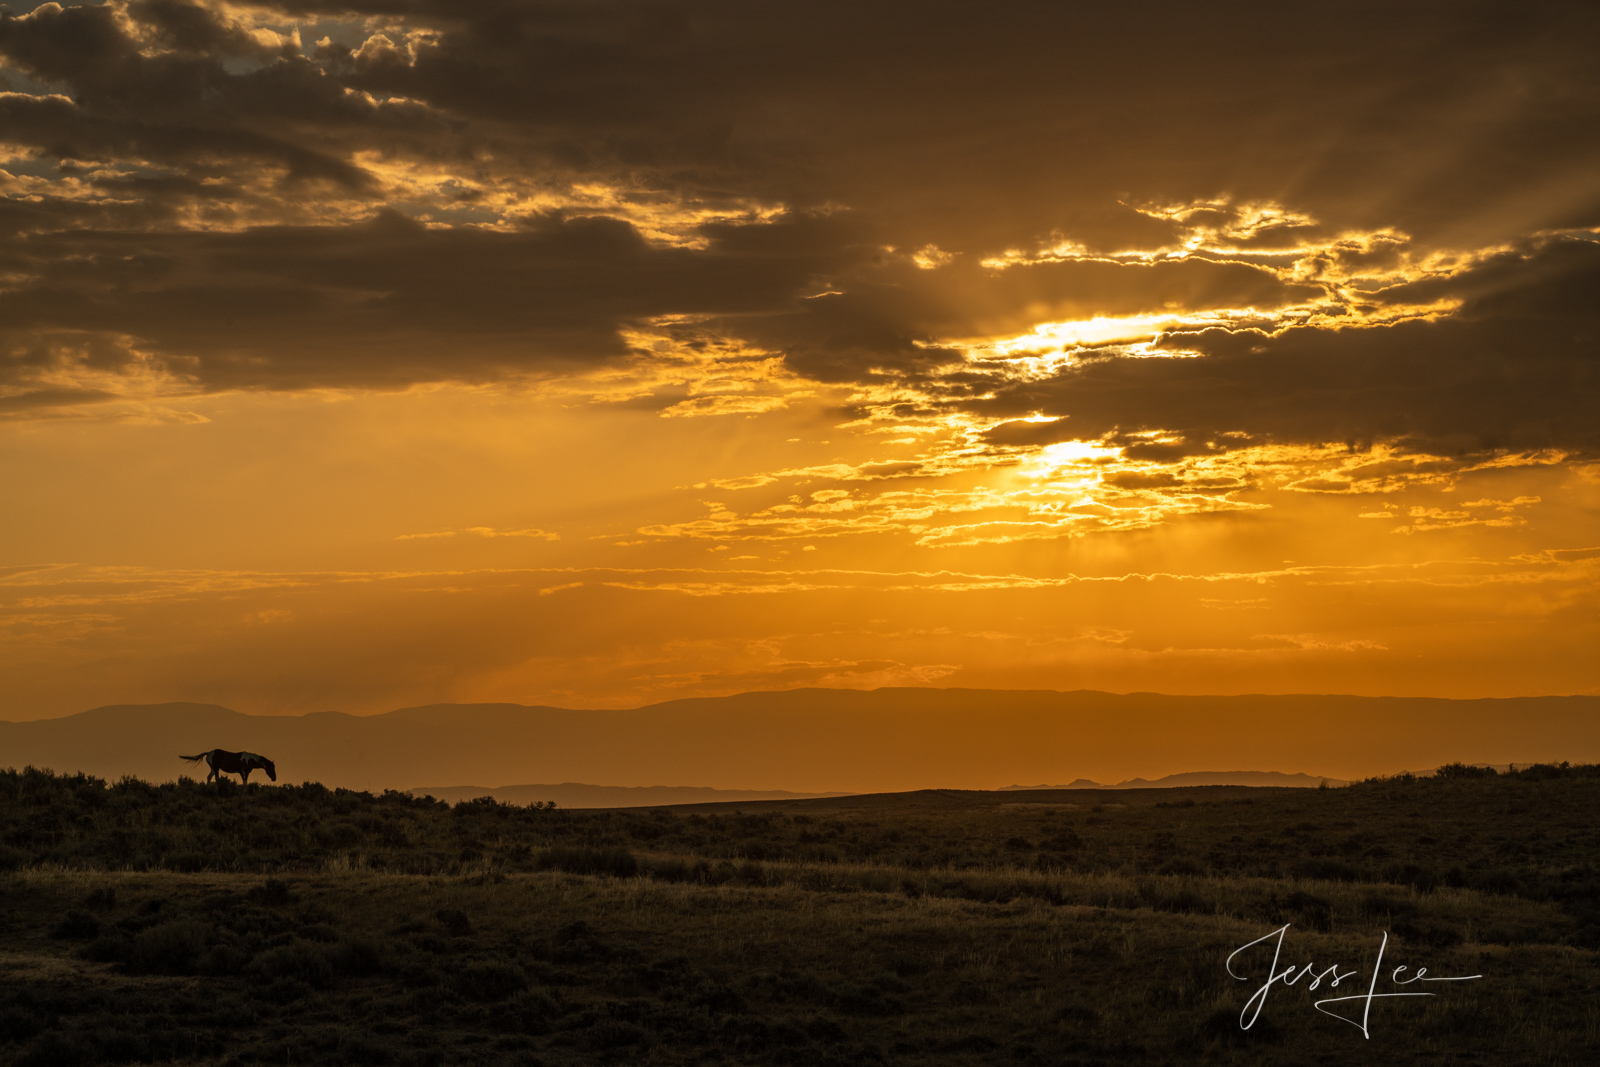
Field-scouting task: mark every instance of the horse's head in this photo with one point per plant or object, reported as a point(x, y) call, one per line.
point(260, 761)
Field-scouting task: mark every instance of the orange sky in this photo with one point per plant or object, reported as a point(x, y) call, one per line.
point(362, 355)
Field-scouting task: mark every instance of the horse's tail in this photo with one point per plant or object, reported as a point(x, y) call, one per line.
point(195, 759)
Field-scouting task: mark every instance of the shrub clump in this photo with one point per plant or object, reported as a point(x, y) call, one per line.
point(300, 961)
point(490, 981)
point(75, 926)
point(455, 922)
point(617, 862)
point(1465, 770)
point(169, 948)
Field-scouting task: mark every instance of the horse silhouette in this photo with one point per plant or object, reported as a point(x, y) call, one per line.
point(240, 763)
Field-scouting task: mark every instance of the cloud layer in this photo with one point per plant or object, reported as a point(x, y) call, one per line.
point(300, 196)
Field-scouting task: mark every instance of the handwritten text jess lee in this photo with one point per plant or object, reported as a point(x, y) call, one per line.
point(1291, 975)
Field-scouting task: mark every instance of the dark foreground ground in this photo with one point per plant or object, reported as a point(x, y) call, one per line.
point(219, 924)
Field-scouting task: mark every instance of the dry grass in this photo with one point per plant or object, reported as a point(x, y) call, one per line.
point(794, 972)
point(936, 929)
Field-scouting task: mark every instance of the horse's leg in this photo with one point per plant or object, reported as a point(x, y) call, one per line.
point(244, 775)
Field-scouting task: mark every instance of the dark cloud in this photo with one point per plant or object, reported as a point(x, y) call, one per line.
point(986, 127)
point(882, 319)
point(389, 302)
point(226, 199)
point(1517, 368)
point(37, 400)
point(60, 128)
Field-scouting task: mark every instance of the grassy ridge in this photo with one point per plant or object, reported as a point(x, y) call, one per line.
point(1529, 834)
point(226, 924)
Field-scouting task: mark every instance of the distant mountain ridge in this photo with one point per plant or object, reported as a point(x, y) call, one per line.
point(1172, 781)
point(579, 795)
point(827, 740)
point(582, 795)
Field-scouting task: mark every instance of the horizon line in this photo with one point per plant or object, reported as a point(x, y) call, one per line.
point(796, 689)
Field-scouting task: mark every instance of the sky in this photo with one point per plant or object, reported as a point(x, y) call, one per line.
point(389, 352)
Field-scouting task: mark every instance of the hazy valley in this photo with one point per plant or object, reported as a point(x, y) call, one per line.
point(828, 740)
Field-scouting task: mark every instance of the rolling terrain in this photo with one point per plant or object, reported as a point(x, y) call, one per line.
point(210, 924)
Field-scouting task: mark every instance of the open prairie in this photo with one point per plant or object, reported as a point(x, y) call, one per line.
point(219, 924)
